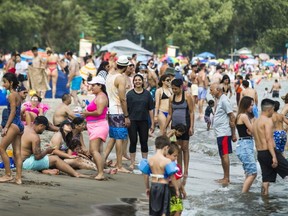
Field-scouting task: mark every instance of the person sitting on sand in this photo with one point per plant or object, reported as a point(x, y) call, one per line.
point(63, 112)
point(60, 142)
point(33, 108)
point(75, 148)
point(34, 158)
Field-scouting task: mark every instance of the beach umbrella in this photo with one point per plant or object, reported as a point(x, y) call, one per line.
point(273, 61)
point(213, 62)
point(206, 55)
point(220, 60)
point(168, 59)
point(88, 69)
point(227, 61)
point(268, 64)
point(264, 56)
point(180, 57)
point(28, 55)
point(250, 61)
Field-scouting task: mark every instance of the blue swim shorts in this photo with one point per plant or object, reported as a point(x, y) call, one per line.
point(245, 153)
point(76, 83)
point(202, 92)
point(117, 129)
point(38, 165)
point(280, 139)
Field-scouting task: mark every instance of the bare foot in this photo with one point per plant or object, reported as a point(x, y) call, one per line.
point(123, 170)
point(82, 176)
point(18, 181)
point(132, 167)
point(6, 178)
point(100, 177)
point(108, 162)
point(125, 157)
point(51, 171)
point(114, 164)
point(223, 181)
point(111, 171)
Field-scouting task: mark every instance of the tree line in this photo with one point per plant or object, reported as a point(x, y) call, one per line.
point(218, 26)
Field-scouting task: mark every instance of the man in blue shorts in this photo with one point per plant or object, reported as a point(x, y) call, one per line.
point(118, 117)
point(224, 127)
point(74, 78)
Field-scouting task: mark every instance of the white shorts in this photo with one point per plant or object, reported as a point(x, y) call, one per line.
point(194, 89)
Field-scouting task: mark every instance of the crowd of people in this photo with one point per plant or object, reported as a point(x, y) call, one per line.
point(131, 99)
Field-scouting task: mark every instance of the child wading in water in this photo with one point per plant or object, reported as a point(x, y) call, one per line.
point(208, 112)
point(176, 203)
point(160, 168)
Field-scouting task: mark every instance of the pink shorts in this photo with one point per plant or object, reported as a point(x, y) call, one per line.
point(98, 129)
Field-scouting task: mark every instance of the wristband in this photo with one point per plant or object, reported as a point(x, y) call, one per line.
point(126, 116)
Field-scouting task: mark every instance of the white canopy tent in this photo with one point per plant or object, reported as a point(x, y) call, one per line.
point(125, 47)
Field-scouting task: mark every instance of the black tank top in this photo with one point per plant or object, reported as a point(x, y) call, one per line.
point(242, 130)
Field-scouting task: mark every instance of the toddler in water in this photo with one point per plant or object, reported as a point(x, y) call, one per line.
point(266, 93)
point(178, 131)
point(208, 112)
point(176, 203)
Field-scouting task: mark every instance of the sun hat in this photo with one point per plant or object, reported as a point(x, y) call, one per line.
point(97, 80)
point(170, 71)
point(123, 61)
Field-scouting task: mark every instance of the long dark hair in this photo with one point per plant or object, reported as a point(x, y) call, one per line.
point(102, 67)
point(162, 79)
point(244, 104)
point(103, 88)
point(69, 136)
point(10, 77)
point(225, 76)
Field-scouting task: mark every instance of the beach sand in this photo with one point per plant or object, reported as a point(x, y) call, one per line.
point(64, 195)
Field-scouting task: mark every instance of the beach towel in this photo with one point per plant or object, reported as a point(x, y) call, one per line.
point(38, 79)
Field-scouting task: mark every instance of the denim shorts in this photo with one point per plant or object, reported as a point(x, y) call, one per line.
point(245, 153)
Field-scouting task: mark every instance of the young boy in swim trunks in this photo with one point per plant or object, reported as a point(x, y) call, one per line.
point(159, 168)
point(176, 203)
point(271, 160)
point(280, 136)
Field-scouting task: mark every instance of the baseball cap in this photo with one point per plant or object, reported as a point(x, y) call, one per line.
point(177, 68)
point(170, 71)
point(123, 61)
point(142, 67)
point(97, 80)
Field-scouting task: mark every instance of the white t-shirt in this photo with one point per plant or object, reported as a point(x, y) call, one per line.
point(21, 67)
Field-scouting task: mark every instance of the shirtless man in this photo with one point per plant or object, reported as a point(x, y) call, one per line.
point(217, 76)
point(280, 136)
point(275, 89)
point(163, 68)
point(271, 160)
point(194, 81)
point(202, 88)
point(250, 92)
point(143, 70)
point(63, 112)
point(74, 78)
point(36, 159)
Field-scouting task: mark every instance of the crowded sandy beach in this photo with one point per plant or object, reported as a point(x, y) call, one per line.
point(75, 136)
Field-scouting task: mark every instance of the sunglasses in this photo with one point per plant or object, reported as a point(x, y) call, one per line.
point(151, 63)
point(34, 99)
point(168, 80)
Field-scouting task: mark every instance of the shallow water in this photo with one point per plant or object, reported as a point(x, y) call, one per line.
point(205, 196)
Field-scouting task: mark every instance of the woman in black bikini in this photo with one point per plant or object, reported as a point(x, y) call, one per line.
point(162, 101)
point(226, 85)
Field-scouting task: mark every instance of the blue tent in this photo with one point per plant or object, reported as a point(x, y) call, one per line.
point(206, 55)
